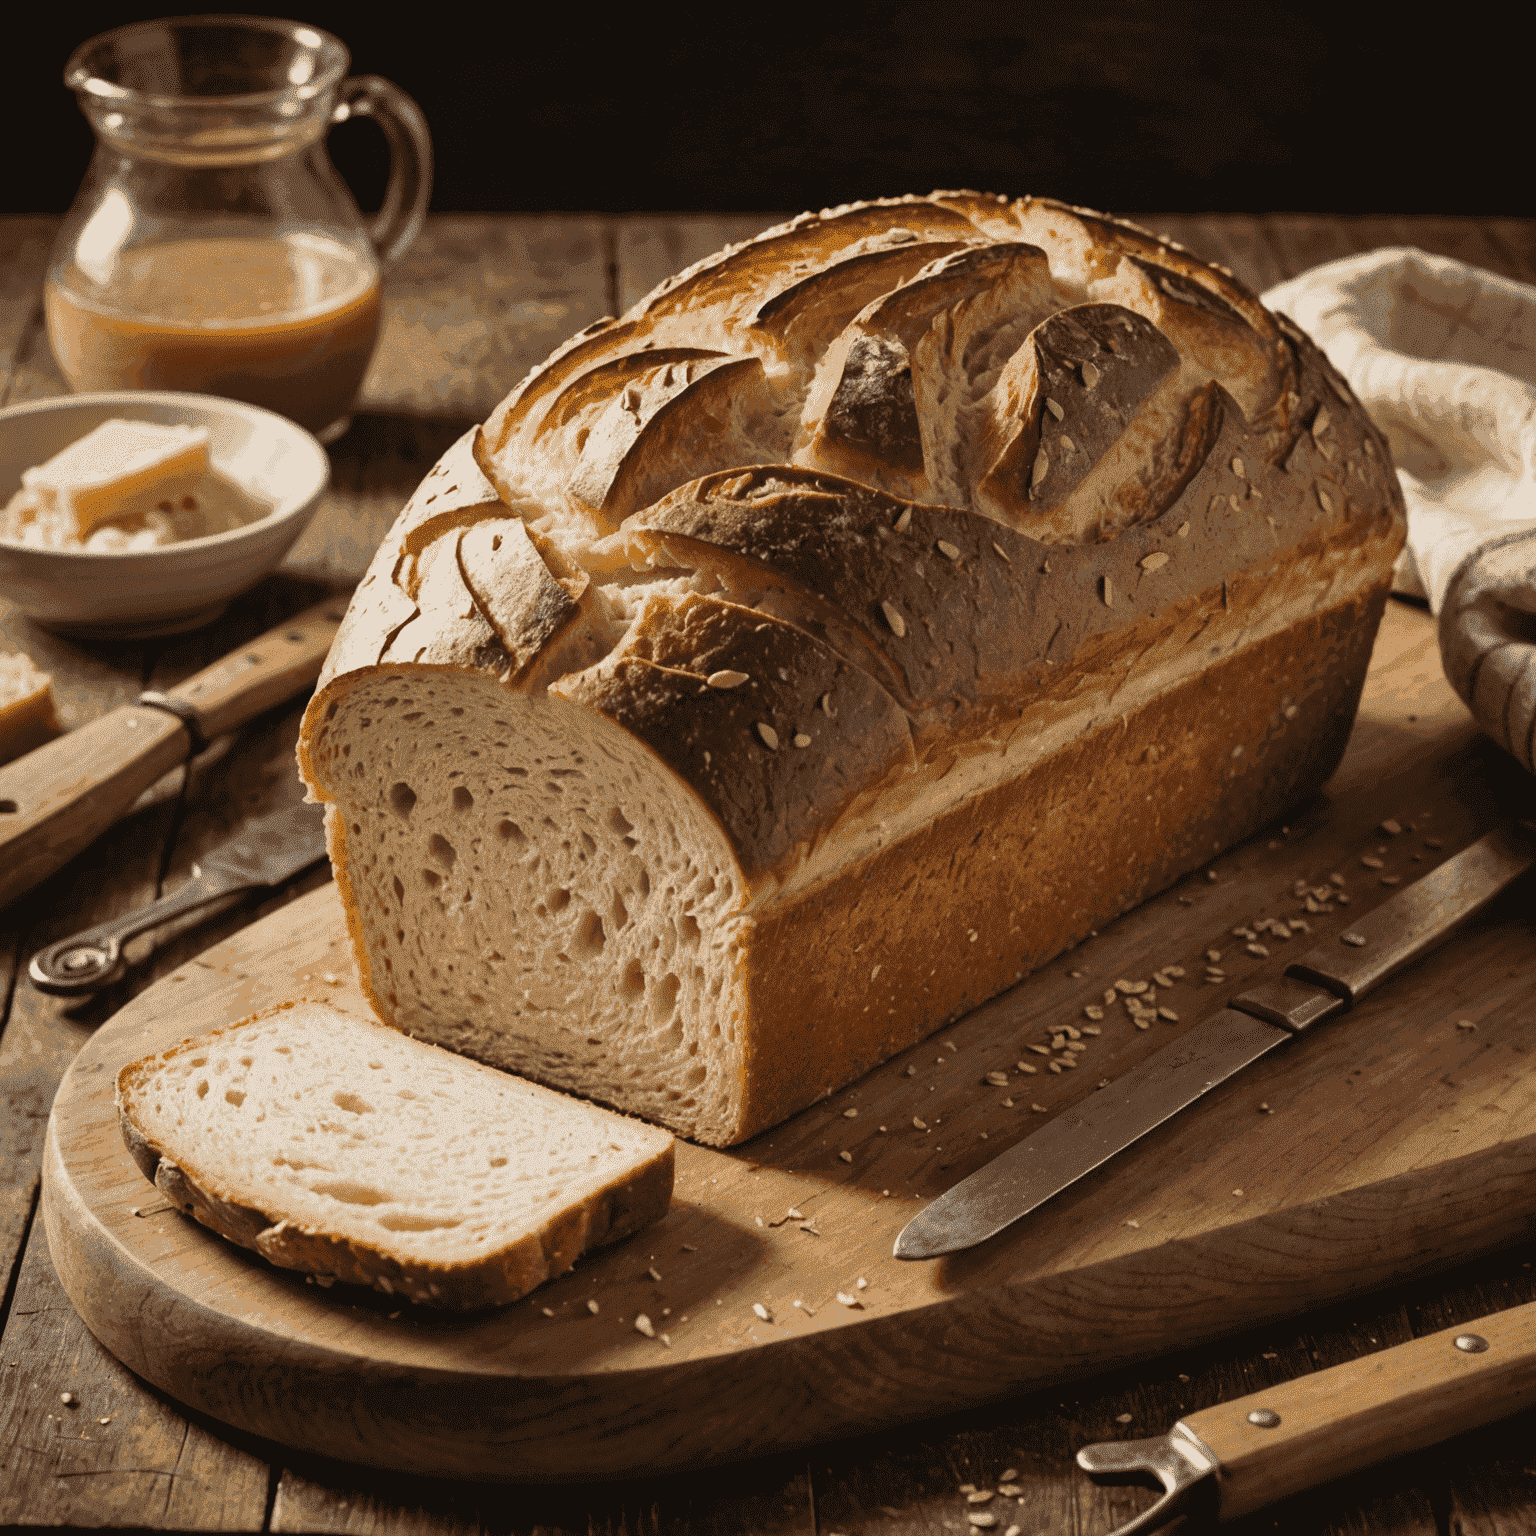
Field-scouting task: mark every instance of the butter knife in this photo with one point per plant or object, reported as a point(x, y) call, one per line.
point(268, 851)
point(61, 797)
point(1326, 982)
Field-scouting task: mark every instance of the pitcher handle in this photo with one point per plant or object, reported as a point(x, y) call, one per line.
point(398, 221)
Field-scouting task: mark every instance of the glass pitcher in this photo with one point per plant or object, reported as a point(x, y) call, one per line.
point(213, 246)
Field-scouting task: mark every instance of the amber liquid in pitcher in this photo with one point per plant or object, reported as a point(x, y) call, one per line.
point(288, 323)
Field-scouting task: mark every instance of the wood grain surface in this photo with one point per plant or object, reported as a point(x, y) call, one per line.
point(155, 1465)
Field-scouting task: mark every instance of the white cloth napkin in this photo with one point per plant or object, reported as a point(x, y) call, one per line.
point(1443, 356)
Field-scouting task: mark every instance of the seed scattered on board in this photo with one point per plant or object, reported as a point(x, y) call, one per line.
point(68, 1399)
point(592, 1308)
point(643, 1325)
point(762, 1311)
point(1465, 1024)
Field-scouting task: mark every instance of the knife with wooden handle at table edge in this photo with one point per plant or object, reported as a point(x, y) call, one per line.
point(1233, 1458)
point(62, 796)
point(1327, 981)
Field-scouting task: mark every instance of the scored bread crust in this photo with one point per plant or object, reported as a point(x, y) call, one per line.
point(835, 619)
point(212, 1195)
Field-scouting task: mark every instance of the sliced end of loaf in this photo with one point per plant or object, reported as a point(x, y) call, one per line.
point(527, 886)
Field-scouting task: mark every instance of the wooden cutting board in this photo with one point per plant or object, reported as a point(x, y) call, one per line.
point(1396, 1141)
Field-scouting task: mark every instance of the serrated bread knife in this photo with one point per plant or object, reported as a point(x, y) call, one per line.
point(1326, 982)
point(1233, 1458)
point(61, 797)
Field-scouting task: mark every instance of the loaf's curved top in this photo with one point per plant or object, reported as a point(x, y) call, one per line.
point(958, 460)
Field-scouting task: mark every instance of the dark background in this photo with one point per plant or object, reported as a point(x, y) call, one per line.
point(1187, 105)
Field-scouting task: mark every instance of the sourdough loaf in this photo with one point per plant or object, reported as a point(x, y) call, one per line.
point(798, 660)
point(332, 1145)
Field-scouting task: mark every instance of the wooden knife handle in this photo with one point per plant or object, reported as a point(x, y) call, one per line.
point(273, 667)
point(63, 796)
point(1398, 1400)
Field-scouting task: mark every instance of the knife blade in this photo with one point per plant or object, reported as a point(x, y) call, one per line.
point(61, 797)
point(1326, 982)
point(268, 851)
point(1235, 1457)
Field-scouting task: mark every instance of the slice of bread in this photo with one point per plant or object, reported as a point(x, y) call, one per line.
point(27, 717)
point(338, 1146)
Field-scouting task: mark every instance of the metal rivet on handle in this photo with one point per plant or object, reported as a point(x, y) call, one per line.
point(1471, 1343)
point(1264, 1418)
point(1357, 939)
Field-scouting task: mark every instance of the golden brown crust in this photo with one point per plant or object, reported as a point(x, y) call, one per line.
point(775, 732)
point(848, 976)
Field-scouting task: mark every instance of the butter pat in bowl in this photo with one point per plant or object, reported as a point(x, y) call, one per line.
point(143, 513)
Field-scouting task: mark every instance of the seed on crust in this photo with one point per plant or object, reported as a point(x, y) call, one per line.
point(1107, 591)
point(801, 739)
point(1239, 470)
point(726, 679)
point(826, 706)
point(904, 521)
point(894, 619)
point(1090, 375)
point(1320, 422)
point(643, 1325)
point(948, 550)
point(1324, 500)
point(1155, 561)
point(769, 735)
point(1054, 408)
point(1183, 530)
point(1040, 471)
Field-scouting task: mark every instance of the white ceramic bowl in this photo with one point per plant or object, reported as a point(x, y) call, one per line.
point(179, 586)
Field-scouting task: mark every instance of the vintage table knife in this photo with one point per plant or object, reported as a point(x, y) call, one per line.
point(61, 797)
point(1327, 981)
point(268, 851)
point(1234, 1458)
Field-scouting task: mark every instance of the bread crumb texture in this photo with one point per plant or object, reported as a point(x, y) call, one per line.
point(791, 663)
point(341, 1147)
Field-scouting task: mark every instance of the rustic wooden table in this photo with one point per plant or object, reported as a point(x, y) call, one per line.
point(476, 302)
